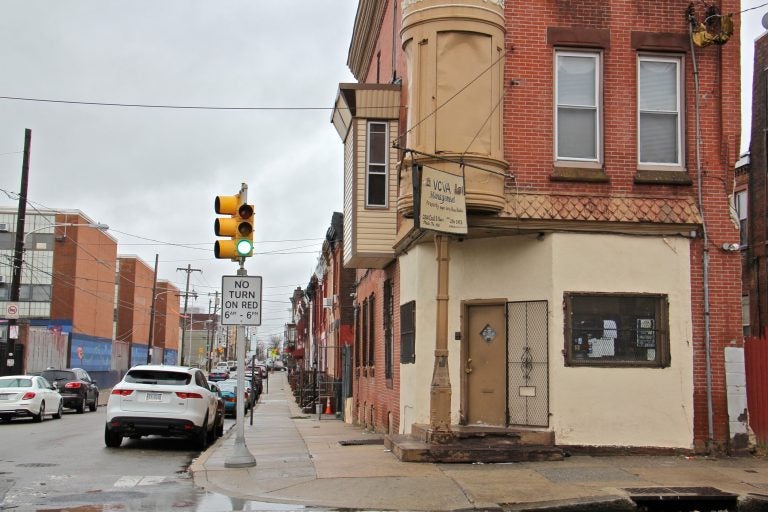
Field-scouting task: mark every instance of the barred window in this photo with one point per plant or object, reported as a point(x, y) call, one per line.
point(616, 330)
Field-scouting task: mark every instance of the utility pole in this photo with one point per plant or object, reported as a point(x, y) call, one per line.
point(18, 253)
point(152, 314)
point(188, 270)
point(212, 328)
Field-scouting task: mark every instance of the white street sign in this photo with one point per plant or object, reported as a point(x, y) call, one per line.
point(241, 300)
point(12, 310)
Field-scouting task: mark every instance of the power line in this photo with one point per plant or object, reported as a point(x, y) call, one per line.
point(161, 106)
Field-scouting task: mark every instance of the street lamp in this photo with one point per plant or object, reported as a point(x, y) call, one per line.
point(150, 338)
point(97, 225)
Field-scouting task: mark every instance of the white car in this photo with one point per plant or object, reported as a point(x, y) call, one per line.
point(170, 401)
point(28, 396)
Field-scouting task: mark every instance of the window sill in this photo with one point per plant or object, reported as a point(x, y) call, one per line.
point(656, 177)
point(588, 173)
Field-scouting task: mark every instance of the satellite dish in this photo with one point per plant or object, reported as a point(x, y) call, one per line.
point(764, 21)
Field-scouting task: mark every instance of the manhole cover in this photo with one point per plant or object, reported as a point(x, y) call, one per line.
point(360, 442)
point(36, 465)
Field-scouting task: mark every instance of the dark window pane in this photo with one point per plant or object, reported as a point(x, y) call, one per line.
point(377, 144)
point(407, 333)
point(617, 329)
point(377, 189)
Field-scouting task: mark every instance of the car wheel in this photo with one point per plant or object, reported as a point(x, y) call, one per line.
point(202, 436)
point(211, 435)
point(220, 427)
point(81, 406)
point(60, 411)
point(40, 416)
point(92, 406)
point(112, 439)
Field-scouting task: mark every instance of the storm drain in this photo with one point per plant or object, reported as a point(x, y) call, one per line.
point(683, 499)
point(360, 442)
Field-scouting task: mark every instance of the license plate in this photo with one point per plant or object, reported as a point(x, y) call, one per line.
point(5, 397)
point(154, 397)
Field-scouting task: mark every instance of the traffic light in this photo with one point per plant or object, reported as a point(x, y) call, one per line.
point(239, 227)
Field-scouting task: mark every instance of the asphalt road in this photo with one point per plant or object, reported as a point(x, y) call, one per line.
point(64, 464)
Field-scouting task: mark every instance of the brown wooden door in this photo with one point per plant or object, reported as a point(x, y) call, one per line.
point(485, 362)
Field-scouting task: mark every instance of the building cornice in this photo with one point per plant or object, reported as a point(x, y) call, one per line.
point(368, 21)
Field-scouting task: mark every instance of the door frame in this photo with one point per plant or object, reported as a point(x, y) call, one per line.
point(463, 381)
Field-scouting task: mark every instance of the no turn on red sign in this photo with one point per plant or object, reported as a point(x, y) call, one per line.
point(241, 300)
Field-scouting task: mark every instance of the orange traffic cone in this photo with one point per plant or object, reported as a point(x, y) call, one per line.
point(328, 406)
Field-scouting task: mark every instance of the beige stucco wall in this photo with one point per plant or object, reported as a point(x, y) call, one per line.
point(588, 406)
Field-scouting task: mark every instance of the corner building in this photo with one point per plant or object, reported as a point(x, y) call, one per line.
point(590, 298)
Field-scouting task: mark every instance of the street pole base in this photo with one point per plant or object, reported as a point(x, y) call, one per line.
point(241, 457)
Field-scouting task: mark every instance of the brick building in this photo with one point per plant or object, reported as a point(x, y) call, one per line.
point(590, 297)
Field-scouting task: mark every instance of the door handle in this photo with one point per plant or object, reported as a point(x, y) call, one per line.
point(468, 369)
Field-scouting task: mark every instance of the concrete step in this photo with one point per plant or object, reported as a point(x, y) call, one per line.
point(409, 449)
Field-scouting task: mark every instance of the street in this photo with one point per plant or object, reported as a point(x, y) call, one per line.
point(64, 463)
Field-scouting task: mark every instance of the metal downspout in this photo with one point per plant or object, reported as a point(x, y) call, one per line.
point(705, 251)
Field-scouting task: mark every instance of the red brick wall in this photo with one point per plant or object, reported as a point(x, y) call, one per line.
point(377, 399)
point(84, 264)
point(134, 304)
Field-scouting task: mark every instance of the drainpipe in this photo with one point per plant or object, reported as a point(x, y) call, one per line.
point(705, 251)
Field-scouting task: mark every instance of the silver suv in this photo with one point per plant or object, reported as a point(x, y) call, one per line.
point(170, 401)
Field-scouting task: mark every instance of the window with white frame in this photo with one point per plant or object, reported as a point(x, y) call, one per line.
point(577, 113)
point(376, 171)
point(740, 204)
point(659, 111)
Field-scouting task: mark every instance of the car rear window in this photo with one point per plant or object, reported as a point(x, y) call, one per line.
point(158, 377)
point(15, 383)
point(58, 375)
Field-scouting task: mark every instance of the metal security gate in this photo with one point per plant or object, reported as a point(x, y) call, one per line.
point(528, 363)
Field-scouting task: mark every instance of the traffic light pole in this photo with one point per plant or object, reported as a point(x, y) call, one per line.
point(240, 457)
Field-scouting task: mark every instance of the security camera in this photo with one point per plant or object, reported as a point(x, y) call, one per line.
point(730, 247)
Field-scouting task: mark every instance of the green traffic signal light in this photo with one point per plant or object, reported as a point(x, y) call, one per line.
point(244, 247)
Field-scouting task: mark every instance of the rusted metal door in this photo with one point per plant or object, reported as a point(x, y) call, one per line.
point(485, 365)
point(528, 361)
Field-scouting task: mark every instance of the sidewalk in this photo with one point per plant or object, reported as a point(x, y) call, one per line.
point(299, 461)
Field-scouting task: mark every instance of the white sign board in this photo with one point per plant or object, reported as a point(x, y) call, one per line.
point(12, 310)
point(443, 205)
point(240, 300)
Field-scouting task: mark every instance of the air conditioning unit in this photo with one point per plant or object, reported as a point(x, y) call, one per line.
point(4, 227)
point(328, 302)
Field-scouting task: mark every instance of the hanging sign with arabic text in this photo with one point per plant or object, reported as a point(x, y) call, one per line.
point(440, 201)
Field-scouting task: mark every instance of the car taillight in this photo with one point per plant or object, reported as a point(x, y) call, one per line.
point(72, 385)
point(184, 395)
point(122, 392)
point(29, 395)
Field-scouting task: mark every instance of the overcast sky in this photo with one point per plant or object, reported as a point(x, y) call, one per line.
point(152, 173)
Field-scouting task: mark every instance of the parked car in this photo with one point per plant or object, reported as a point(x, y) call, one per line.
point(164, 400)
point(28, 396)
point(220, 411)
point(75, 386)
point(218, 374)
point(229, 393)
point(222, 364)
point(279, 365)
point(232, 365)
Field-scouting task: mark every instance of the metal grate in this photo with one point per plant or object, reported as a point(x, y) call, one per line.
point(527, 363)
